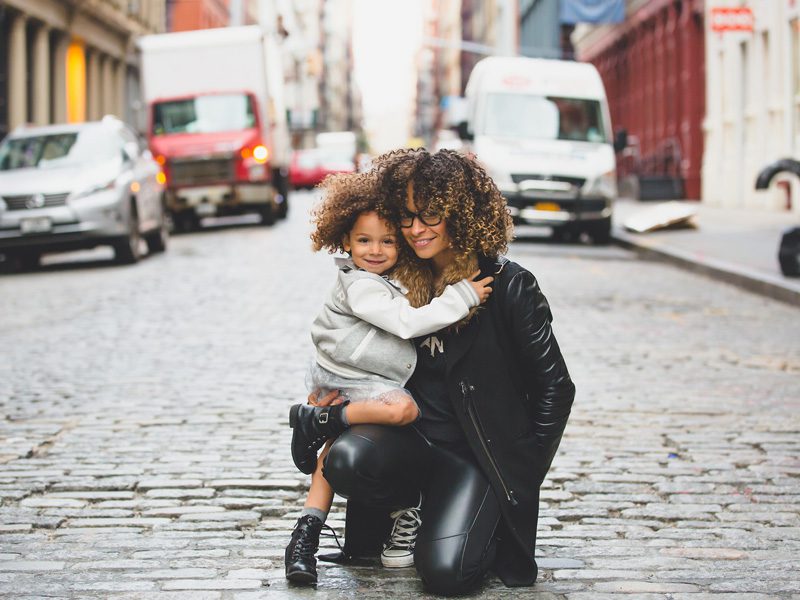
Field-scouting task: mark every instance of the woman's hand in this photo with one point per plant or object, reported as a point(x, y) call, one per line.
point(481, 286)
point(328, 399)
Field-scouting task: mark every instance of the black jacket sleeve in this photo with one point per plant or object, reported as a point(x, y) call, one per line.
point(549, 388)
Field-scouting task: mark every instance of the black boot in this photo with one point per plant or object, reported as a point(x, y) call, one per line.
point(312, 426)
point(301, 565)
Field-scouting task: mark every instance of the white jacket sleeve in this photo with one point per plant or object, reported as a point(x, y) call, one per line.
point(370, 301)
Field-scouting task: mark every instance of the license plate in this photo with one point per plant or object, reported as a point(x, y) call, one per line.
point(36, 225)
point(552, 206)
point(205, 209)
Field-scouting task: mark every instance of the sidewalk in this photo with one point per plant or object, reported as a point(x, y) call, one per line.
point(739, 246)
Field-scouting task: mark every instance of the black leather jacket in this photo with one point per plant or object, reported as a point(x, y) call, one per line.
point(512, 393)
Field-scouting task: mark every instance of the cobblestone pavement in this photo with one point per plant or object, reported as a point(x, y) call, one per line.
point(144, 438)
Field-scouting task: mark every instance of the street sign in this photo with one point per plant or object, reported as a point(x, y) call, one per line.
point(732, 19)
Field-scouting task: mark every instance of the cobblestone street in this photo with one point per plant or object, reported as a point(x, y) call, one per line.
point(144, 444)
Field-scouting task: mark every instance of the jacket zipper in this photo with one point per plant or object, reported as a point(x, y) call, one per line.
point(470, 410)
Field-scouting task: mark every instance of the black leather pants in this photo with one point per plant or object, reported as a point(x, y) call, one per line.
point(389, 466)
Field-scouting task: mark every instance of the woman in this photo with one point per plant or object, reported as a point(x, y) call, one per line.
point(493, 390)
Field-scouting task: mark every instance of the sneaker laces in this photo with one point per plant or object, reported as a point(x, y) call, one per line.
point(404, 530)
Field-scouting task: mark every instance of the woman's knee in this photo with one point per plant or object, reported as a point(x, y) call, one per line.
point(348, 457)
point(442, 568)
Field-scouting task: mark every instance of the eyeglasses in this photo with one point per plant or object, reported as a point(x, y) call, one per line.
point(428, 217)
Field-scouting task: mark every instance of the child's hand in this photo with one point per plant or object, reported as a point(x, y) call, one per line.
point(481, 286)
point(328, 399)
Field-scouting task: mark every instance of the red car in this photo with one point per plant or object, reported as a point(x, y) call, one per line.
point(310, 166)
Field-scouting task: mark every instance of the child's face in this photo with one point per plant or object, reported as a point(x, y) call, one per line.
point(372, 243)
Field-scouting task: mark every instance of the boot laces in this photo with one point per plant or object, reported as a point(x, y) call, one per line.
point(308, 543)
point(404, 530)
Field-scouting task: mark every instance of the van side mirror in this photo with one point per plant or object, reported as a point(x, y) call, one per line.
point(463, 131)
point(621, 140)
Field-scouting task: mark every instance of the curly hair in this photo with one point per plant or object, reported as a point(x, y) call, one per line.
point(455, 185)
point(345, 196)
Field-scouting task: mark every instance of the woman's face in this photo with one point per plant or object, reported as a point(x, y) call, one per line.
point(430, 242)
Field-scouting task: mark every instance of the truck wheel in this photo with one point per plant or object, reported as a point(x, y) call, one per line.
point(281, 182)
point(267, 213)
point(283, 208)
point(185, 221)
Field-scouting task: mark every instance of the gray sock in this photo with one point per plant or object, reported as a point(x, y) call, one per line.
point(315, 512)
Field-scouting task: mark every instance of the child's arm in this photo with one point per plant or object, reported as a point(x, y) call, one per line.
point(370, 301)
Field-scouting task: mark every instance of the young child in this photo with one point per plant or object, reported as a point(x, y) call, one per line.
point(362, 337)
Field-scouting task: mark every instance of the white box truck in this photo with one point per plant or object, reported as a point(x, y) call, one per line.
point(542, 129)
point(217, 122)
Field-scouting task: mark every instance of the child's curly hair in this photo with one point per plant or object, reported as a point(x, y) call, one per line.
point(344, 197)
point(455, 185)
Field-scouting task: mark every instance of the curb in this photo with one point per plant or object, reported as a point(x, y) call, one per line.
point(748, 279)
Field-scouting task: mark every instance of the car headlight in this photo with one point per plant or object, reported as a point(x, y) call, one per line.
point(605, 185)
point(101, 187)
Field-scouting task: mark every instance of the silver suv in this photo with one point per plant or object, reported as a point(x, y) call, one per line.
point(64, 187)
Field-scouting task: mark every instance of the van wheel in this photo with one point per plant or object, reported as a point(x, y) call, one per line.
point(28, 260)
point(601, 232)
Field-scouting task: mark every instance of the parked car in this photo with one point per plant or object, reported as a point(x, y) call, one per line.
point(310, 166)
point(305, 170)
point(66, 187)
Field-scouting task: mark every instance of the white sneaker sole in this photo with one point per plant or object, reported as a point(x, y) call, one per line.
point(397, 562)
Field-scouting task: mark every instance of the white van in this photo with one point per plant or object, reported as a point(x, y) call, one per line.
point(542, 129)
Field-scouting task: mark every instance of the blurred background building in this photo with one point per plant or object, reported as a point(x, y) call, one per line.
point(653, 67)
point(753, 108)
point(69, 61)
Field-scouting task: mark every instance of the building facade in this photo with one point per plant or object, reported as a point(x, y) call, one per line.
point(71, 61)
point(340, 100)
point(188, 15)
point(297, 24)
point(653, 68)
point(753, 115)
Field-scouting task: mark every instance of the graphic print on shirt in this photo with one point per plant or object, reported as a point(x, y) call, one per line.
point(434, 343)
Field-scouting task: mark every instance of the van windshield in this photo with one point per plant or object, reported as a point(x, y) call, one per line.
point(530, 116)
point(204, 114)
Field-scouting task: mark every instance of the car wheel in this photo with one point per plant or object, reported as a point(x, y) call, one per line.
point(267, 213)
point(157, 240)
point(126, 250)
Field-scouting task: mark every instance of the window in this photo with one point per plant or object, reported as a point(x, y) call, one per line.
point(544, 117)
point(204, 114)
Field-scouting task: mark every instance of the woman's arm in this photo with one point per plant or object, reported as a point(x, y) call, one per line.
point(548, 385)
point(370, 301)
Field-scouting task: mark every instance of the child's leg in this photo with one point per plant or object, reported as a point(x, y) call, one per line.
point(320, 494)
point(395, 408)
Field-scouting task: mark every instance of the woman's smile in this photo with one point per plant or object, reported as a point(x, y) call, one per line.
point(427, 241)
